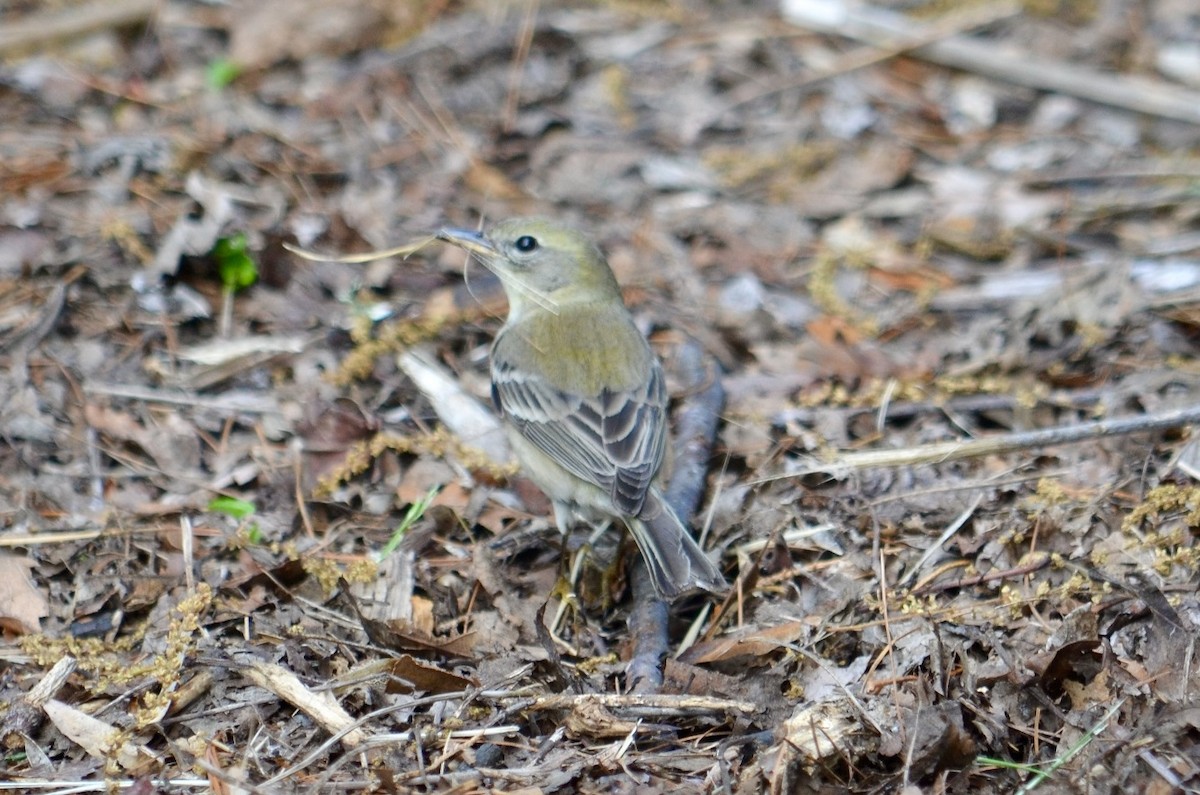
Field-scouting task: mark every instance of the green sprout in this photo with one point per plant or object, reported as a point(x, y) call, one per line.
point(415, 512)
point(1039, 773)
point(240, 510)
point(238, 269)
point(232, 506)
point(220, 73)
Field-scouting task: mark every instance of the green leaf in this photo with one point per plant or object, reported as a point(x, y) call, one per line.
point(237, 268)
point(231, 506)
point(220, 73)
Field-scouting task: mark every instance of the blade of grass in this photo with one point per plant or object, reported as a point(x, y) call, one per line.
point(1043, 772)
point(414, 512)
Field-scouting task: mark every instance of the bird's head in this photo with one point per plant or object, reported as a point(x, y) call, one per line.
point(543, 264)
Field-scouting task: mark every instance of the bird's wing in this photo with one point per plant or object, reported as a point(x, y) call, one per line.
point(614, 440)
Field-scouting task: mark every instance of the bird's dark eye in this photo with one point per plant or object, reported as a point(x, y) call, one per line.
point(526, 243)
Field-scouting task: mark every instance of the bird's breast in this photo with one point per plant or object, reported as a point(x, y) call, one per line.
point(583, 352)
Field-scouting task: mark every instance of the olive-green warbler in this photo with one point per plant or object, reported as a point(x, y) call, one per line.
point(582, 395)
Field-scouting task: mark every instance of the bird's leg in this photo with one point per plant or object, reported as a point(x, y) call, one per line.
point(568, 582)
point(562, 517)
point(565, 587)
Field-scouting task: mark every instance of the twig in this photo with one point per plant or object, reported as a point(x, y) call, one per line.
point(24, 715)
point(1006, 443)
point(646, 704)
point(1035, 563)
point(321, 706)
point(884, 29)
point(1080, 399)
point(696, 429)
point(520, 56)
point(648, 632)
point(59, 785)
point(952, 25)
point(59, 537)
point(950, 530)
point(233, 401)
point(696, 426)
point(37, 31)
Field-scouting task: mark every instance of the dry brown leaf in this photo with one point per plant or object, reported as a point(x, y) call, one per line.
point(831, 330)
point(492, 182)
point(405, 674)
point(754, 642)
point(424, 677)
point(400, 635)
point(171, 441)
point(680, 677)
point(913, 280)
point(410, 636)
point(1085, 695)
point(22, 605)
point(422, 614)
point(267, 32)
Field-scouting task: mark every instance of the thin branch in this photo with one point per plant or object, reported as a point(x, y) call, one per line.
point(885, 29)
point(952, 25)
point(941, 452)
point(40, 30)
point(696, 428)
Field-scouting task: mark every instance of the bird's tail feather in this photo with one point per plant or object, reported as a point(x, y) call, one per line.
point(675, 561)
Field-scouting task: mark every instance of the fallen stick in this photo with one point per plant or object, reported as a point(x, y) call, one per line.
point(882, 28)
point(940, 452)
point(37, 31)
point(696, 430)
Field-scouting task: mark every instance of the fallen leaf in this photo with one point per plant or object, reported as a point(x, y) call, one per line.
point(101, 740)
point(754, 643)
point(22, 605)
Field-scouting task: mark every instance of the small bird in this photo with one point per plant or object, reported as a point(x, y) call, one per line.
point(582, 396)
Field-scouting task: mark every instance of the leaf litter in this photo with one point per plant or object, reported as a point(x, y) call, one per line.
point(953, 482)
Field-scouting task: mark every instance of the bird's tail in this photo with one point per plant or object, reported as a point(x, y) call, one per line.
point(675, 561)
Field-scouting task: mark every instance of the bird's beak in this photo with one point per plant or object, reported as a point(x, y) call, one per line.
point(474, 242)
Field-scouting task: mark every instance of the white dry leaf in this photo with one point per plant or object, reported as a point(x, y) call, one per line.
point(962, 194)
point(459, 411)
point(817, 732)
point(829, 682)
point(322, 707)
point(22, 416)
point(847, 111)
point(1188, 459)
point(1180, 60)
point(1165, 276)
point(190, 235)
point(101, 740)
point(677, 174)
point(222, 351)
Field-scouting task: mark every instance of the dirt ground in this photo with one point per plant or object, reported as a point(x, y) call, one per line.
point(940, 262)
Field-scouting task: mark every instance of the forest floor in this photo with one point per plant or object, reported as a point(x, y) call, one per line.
point(256, 534)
